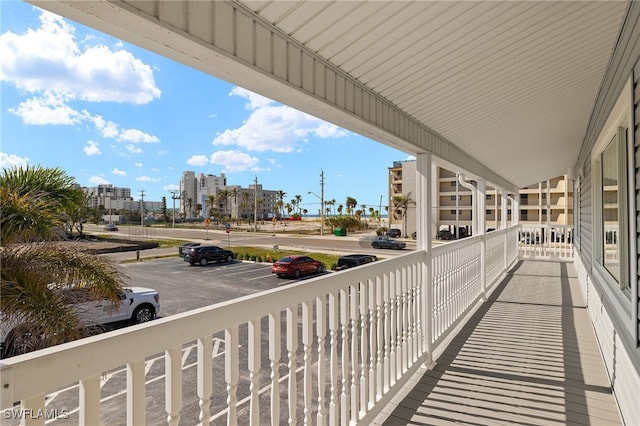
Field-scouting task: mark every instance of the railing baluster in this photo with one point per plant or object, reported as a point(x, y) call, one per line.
point(89, 401)
point(364, 355)
point(253, 364)
point(353, 312)
point(274, 360)
point(231, 361)
point(135, 393)
point(307, 339)
point(404, 316)
point(321, 330)
point(292, 347)
point(344, 335)
point(379, 303)
point(373, 338)
point(205, 378)
point(399, 319)
point(333, 358)
point(393, 357)
point(387, 333)
point(173, 384)
point(33, 404)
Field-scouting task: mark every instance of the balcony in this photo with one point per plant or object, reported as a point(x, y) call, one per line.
point(469, 307)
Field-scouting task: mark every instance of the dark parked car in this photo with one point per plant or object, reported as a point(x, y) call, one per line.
point(183, 248)
point(386, 242)
point(110, 227)
point(296, 265)
point(393, 233)
point(351, 260)
point(205, 254)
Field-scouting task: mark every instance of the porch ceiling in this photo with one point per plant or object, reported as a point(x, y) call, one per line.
point(512, 84)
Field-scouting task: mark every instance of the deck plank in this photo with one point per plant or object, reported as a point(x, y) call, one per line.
point(528, 356)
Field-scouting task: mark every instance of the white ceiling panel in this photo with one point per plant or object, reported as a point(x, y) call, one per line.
point(514, 78)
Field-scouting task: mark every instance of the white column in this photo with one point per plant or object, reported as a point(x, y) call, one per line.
point(424, 163)
point(481, 223)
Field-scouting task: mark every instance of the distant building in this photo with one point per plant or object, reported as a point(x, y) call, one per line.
point(115, 201)
point(546, 203)
point(201, 193)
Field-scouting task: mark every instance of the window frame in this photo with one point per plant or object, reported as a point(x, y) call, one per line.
point(618, 127)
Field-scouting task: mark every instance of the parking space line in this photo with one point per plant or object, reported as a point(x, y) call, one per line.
point(260, 277)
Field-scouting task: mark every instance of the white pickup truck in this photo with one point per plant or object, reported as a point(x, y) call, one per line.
point(137, 305)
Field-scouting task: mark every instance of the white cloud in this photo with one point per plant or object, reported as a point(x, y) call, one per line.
point(92, 148)
point(171, 187)
point(198, 160)
point(118, 172)
point(49, 58)
point(272, 127)
point(147, 179)
point(8, 161)
point(109, 129)
point(135, 136)
point(255, 101)
point(234, 161)
point(49, 108)
point(98, 180)
point(134, 149)
point(137, 164)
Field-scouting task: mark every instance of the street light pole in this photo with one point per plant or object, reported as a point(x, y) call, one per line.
point(174, 198)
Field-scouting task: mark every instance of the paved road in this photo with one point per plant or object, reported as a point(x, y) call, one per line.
point(356, 243)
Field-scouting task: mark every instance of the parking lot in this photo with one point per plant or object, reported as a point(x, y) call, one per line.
point(183, 287)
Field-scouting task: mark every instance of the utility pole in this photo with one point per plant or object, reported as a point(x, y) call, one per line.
point(141, 206)
point(255, 203)
point(321, 202)
point(321, 197)
point(174, 198)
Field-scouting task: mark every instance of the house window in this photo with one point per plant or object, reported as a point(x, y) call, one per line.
point(454, 183)
point(523, 215)
point(611, 201)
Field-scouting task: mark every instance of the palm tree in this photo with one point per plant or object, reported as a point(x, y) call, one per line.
point(401, 204)
point(351, 204)
point(36, 270)
point(234, 194)
point(280, 201)
point(190, 204)
point(183, 202)
point(223, 197)
point(297, 199)
point(210, 202)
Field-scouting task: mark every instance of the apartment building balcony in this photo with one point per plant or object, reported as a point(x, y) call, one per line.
point(466, 330)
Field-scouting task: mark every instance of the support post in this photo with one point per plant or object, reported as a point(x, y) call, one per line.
point(424, 163)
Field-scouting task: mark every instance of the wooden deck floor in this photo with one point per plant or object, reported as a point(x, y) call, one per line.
point(528, 356)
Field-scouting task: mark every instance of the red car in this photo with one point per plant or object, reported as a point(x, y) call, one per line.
point(296, 265)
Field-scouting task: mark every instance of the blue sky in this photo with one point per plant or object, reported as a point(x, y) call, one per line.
point(107, 111)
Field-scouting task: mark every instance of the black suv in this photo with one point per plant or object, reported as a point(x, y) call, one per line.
point(351, 260)
point(206, 254)
point(393, 233)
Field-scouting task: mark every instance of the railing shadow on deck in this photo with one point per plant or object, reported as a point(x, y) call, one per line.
point(517, 359)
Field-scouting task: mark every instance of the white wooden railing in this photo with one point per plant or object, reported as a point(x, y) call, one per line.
point(336, 347)
point(546, 242)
